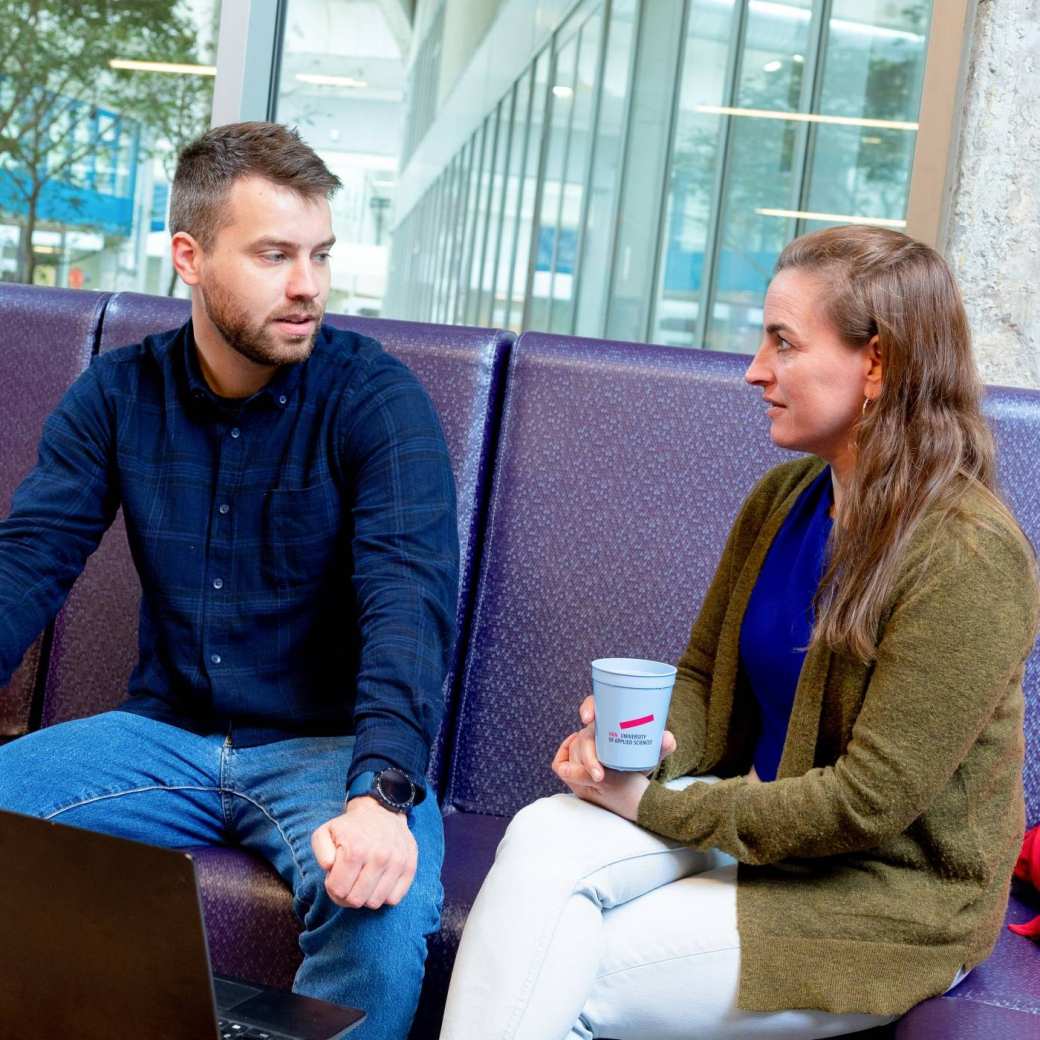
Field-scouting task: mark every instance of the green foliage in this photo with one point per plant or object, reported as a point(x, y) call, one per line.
point(55, 75)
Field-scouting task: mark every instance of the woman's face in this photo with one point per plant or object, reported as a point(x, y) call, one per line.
point(813, 382)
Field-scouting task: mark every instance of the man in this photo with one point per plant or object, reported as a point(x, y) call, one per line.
point(290, 508)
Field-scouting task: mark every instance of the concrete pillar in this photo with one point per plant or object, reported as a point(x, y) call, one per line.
point(992, 239)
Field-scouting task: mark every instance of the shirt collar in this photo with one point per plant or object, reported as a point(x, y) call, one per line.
point(278, 392)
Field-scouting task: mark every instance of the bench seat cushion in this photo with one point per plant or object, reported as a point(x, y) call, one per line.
point(1000, 998)
point(470, 840)
point(252, 935)
point(250, 923)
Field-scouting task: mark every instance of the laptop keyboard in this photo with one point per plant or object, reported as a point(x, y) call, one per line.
point(237, 1031)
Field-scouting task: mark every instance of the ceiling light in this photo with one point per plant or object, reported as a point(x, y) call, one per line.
point(805, 117)
point(863, 29)
point(772, 66)
point(835, 218)
point(163, 66)
point(321, 80)
point(782, 10)
point(563, 92)
point(798, 58)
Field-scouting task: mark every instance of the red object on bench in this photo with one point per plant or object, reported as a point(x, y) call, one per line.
point(1028, 869)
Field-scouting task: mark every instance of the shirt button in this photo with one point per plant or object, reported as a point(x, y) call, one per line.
point(215, 658)
point(236, 432)
point(224, 508)
point(218, 583)
point(283, 399)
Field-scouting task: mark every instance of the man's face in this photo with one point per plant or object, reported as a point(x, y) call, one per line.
point(264, 281)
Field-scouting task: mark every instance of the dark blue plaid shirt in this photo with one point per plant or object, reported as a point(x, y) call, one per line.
point(298, 550)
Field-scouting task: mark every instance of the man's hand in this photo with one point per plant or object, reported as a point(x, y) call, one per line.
point(578, 767)
point(368, 854)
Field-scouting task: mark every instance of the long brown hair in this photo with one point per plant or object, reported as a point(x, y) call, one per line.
point(923, 443)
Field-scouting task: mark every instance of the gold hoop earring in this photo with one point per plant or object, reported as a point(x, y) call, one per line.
point(863, 410)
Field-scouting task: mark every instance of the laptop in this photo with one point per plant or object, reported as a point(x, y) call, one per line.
point(102, 938)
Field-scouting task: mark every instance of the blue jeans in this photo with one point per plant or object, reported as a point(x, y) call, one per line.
point(137, 778)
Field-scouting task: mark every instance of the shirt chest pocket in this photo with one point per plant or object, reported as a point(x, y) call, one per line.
point(302, 534)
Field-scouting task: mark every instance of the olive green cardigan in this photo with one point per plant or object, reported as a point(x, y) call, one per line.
point(878, 862)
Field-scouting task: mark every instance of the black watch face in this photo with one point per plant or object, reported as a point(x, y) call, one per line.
point(396, 787)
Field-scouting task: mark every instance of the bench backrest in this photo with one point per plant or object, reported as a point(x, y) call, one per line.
point(463, 369)
point(620, 470)
point(1014, 416)
point(95, 635)
point(48, 338)
point(95, 644)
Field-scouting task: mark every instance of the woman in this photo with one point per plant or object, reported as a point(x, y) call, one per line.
point(846, 717)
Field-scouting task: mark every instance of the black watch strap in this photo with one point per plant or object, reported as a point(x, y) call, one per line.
point(391, 787)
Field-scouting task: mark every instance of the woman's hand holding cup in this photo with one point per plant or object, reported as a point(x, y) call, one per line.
point(578, 766)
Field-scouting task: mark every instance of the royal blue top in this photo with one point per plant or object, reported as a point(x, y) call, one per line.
point(779, 617)
point(298, 550)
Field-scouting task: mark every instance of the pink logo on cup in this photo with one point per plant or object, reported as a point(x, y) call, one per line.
point(632, 723)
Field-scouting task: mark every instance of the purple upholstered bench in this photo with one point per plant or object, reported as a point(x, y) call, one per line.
point(251, 927)
point(620, 469)
point(1001, 997)
point(48, 338)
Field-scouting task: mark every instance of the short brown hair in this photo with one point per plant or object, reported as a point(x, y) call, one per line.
point(207, 168)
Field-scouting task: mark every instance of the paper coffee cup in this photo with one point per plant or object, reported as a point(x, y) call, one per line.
point(632, 698)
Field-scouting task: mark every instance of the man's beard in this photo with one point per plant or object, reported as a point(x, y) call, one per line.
point(256, 340)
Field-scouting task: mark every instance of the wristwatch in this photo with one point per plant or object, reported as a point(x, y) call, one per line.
point(390, 787)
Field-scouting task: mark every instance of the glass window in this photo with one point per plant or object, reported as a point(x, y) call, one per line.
point(872, 71)
point(397, 278)
point(691, 184)
point(850, 163)
point(89, 136)
point(548, 241)
point(790, 116)
point(411, 252)
point(436, 239)
point(341, 81)
point(761, 167)
point(607, 143)
point(433, 226)
point(480, 236)
point(576, 170)
point(511, 208)
point(497, 217)
point(649, 121)
point(458, 245)
point(522, 273)
point(477, 144)
point(447, 221)
point(640, 176)
point(448, 233)
point(441, 190)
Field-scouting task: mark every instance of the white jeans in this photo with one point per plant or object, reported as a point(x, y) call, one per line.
point(590, 926)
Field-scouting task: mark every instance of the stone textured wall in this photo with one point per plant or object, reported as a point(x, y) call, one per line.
point(992, 238)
